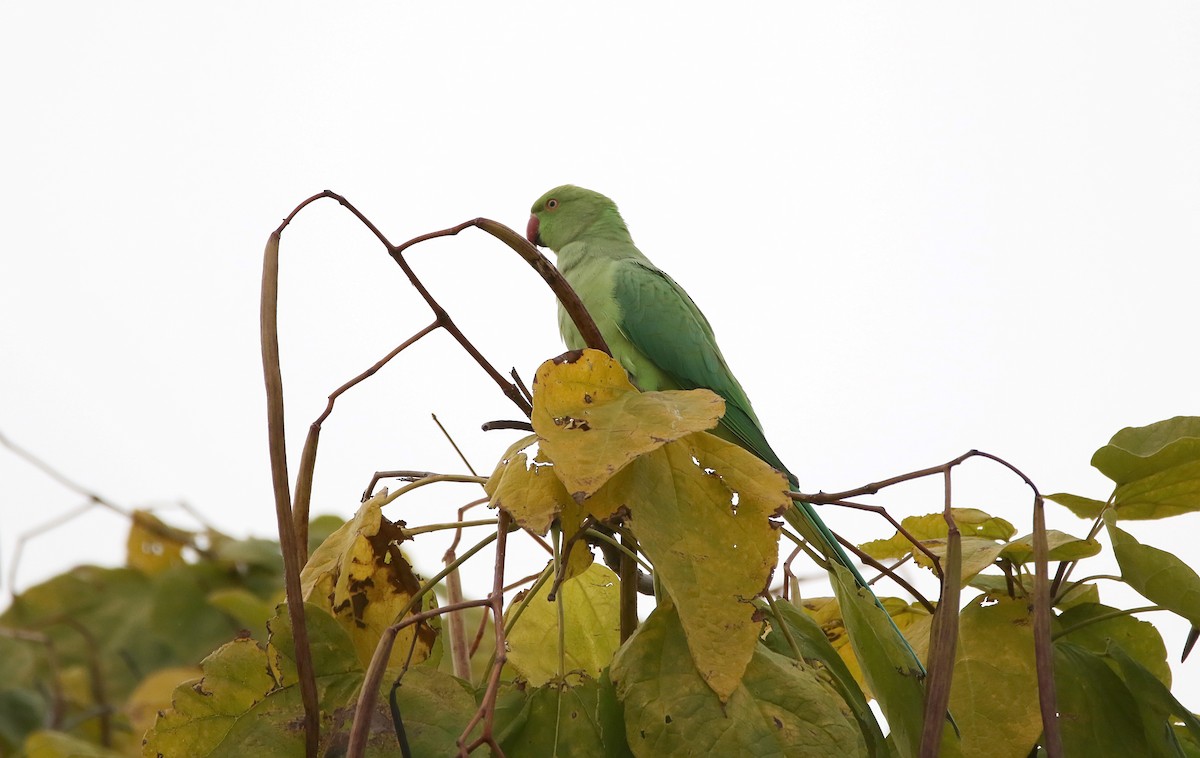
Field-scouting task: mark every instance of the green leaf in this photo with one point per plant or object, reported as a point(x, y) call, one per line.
point(994, 697)
point(1156, 468)
point(48, 744)
point(1158, 706)
point(435, 708)
point(1083, 507)
point(815, 649)
point(1063, 547)
point(1137, 638)
point(887, 665)
point(700, 508)
point(782, 707)
point(1159, 576)
point(562, 719)
point(593, 628)
point(1095, 707)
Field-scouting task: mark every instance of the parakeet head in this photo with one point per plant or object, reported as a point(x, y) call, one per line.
point(566, 213)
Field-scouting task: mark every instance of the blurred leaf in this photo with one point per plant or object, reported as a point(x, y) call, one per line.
point(1063, 547)
point(994, 696)
point(1083, 507)
point(782, 707)
point(1156, 468)
point(593, 628)
point(700, 508)
point(152, 546)
point(1159, 576)
point(1137, 638)
point(361, 577)
point(593, 422)
point(22, 712)
point(48, 744)
point(248, 609)
point(1095, 707)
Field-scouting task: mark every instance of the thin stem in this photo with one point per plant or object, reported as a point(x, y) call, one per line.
point(1105, 617)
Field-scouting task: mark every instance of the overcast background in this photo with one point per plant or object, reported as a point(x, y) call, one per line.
point(916, 231)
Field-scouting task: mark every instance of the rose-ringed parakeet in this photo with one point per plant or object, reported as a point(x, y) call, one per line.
point(655, 330)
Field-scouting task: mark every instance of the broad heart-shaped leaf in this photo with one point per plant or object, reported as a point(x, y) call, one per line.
point(434, 708)
point(248, 702)
point(994, 696)
point(591, 609)
point(1063, 547)
point(1097, 713)
point(361, 577)
point(593, 422)
point(792, 625)
point(782, 707)
point(530, 491)
point(971, 522)
point(700, 508)
point(1139, 639)
point(1083, 507)
point(581, 719)
point(1156, 468)
point(1159, 576)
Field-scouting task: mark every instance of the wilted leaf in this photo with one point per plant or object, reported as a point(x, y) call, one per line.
point(1156, 468)
point(994, 696)
point(978, 553)
point(1063, 547)
point(1159, 576)
point(1083, 507)
point(593, 422)
point(1138, 638)
point(700, 508)
point(782, 707)
point(362, 578)
point(593, 628)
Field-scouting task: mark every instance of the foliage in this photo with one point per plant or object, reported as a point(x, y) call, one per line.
point(718, 667)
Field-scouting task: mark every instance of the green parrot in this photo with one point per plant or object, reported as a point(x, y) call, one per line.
point(655, 330)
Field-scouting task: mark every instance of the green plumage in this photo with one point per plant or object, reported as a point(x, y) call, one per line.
point(653, 328)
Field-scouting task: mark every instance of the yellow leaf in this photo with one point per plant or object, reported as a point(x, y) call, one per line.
point(153, 546)
point(593, 422)
point(700, 508)
point(593, 628)
point(530, 492)
point(361, 577)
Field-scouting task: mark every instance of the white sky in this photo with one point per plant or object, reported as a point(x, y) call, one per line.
point(916, 231)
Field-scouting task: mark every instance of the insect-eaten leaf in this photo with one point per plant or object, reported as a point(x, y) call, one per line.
point(360, 576)
point(593, 422)
point(528, 489)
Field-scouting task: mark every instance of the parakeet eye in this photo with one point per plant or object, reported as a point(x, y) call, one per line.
point(551, 204)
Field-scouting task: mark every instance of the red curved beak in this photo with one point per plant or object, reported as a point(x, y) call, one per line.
point(531, 232)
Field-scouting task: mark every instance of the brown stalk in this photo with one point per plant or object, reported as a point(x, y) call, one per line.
point(279, 479)
point(943, 640)
point(1042, 641)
